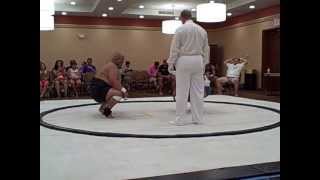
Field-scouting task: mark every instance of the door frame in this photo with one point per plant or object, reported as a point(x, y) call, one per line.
point(264, 53)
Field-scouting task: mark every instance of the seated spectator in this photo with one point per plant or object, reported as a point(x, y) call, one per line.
point(83, 66)
point(91, 67)
point(127, 67)
point(207, 86)
point(44, 79)
point(210, 77)
point(74, 77)
point(234, 67)
point(153, 73)
point(87, 67)
point(126, 75)
point(60, 78)
point(67, 68)
point(165, 76)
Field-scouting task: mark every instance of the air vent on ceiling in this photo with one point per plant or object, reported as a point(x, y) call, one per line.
point(165, 12)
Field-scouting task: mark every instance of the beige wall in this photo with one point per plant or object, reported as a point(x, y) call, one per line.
point(140, 46)
point(243, 39)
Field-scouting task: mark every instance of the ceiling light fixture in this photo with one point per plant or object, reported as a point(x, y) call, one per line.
point(141, 16)
point(73, 3)
point(64, 13)
point(104, 15)
point(48, 6)
point(252, 6)
point(46, 21)
point(211, 12)
point(111, 8)
point(46, 15)
point(141, 6)
point(170, 26)
point(229, 14)
point(119, 0)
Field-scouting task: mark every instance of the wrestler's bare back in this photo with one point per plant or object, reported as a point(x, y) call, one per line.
point(108, 70)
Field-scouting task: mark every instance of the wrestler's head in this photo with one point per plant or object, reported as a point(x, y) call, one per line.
point(117, 59)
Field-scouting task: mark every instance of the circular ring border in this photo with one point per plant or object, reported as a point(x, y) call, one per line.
point(124, 135)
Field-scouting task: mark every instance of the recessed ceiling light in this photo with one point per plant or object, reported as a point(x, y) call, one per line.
point(73, 3)
point(229, 14)
point(171, 6)
point(212, 2)
point(119, 0)
point(252, 7)
point(64, 13)
point(111, 8)
point(141, 16)
point(193, 9)
point(177, 18)
point(104, 15)
point(141, 6)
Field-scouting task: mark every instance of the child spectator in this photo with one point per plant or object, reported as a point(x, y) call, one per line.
point(74, 77)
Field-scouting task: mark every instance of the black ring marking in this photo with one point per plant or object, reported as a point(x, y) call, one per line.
point(124, 135)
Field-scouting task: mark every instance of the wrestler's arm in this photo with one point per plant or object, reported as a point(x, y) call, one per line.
point(113, 78)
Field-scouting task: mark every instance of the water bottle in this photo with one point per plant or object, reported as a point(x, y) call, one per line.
point(268, 70)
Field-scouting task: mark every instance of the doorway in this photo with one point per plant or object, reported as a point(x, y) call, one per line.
point(271, 57)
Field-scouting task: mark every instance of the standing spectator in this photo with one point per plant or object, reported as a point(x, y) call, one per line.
point(153, 73)
point(60, 78)
point(126, 73)
point(74, 77)
point(164, 76)
point(44, 79)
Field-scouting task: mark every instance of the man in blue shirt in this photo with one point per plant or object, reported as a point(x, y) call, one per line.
point(88, 67)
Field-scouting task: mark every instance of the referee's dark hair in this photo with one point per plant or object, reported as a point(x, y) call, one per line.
point(186, 14)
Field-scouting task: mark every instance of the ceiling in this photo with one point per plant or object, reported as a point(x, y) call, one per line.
point(153, 9)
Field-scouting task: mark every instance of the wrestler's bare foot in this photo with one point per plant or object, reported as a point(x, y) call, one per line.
point(108, 112)
point(102, 107)
point(105, 110)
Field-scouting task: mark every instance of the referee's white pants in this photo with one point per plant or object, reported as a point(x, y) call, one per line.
point(189, 78)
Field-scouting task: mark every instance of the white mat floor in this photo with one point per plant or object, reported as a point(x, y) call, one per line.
point(76, 157)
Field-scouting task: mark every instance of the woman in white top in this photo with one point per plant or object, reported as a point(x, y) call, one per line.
point(234, 68)
point(74, 77)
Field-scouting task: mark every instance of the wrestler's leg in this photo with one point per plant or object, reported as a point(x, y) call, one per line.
point(112, 98)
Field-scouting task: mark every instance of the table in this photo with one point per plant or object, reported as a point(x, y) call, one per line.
point(271, 82)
